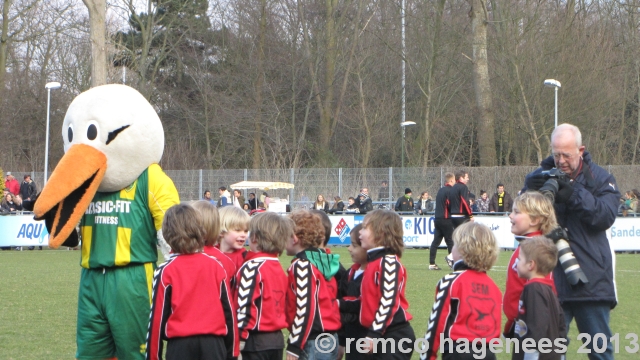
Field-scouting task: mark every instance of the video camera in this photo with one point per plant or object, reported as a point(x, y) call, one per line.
point(550, 187)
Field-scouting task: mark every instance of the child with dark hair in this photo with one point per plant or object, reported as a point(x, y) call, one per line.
point(261, 288)
point(312, 307)
point(466, 307)
point(383, 304)
point(191, 306)
point(349, 290)
point(540, 315)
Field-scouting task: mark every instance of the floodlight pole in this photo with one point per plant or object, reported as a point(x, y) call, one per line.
point(556, 85)
point(49, 86)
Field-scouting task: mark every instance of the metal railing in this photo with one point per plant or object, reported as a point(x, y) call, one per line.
point(345, 182)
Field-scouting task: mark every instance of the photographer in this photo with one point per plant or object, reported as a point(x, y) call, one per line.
point(586, 204)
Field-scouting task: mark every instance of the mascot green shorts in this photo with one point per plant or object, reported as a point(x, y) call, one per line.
point(113, 311)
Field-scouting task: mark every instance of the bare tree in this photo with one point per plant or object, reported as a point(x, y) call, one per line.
point(482, 87)
point(97, 16)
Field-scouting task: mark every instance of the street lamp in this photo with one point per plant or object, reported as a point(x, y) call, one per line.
point(554, 84)
point(52, 85)
point(403, 125)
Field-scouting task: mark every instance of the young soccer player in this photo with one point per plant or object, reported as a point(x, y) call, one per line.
point(234, 227)
point(532, 215)
point(211, 232)
point(383, 305)
point(191, 306)
point(540, 315)
point(466, 309)
point(261, 288)
point(312, 307)
point(349, 289)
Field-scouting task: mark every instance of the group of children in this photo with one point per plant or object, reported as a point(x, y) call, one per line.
point(467, 303)
point(212, 299)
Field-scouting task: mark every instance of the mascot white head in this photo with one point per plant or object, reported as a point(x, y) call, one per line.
point(111, 135)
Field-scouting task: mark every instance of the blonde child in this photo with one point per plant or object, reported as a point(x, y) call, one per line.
point(312, 307)
point(261, 288)
point(466, 309)
point(234, 227)
point(191, 303)
point(211, 232)
point(540, 315)
point(383, 304)
point(532, 215)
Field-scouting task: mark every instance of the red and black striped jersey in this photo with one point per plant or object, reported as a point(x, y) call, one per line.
point(261, 285)
point(513, 290)
point(442, 203)
point(228, 264)
point(467, 306)
point(382, 301)
point(459, 200)
point(312, 307)
point(191, 297)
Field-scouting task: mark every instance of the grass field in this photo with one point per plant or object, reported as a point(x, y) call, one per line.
point(38, 291)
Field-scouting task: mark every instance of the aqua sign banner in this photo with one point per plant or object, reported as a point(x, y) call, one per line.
point(22, 230)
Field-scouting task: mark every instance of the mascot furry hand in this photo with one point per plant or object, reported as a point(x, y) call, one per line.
point(109, 182)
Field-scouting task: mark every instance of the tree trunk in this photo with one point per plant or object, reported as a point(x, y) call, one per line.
point(482, 87)
point(97, 13)
point(257, 128)
point(331, 54)
point(4, 43)
point(435, 47)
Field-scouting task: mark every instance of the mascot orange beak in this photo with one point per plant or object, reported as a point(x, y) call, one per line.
point(69, 191)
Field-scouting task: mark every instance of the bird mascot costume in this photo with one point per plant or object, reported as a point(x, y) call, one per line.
point(109, 184)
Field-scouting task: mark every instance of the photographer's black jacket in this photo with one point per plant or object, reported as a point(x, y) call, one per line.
point(589, 212)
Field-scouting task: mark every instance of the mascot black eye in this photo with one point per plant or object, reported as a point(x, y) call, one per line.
point(92, 132)
point(70, 133)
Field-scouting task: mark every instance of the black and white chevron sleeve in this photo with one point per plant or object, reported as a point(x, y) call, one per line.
point(305, 305)
point(436, 323)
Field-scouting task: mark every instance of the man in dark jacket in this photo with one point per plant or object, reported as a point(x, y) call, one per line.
point(405, 203)
point(500, 201)
point(28, 189)
point(586, 205)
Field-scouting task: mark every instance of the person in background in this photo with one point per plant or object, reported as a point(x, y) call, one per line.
point(472, 202)
point(338, 205)
point(383, 193)
point(246, 207)
point(424, 205)
point(238, 199)
point(364, 204)
point(265, 199)
point(225, 197)
point(12, 184)
point(500, 201)
point(28, 189)
point(405, 203)
point(253, 201)
point(321, 204)
point(483, 202)
point(9, 205)
point(352, 205)
point(207, 197)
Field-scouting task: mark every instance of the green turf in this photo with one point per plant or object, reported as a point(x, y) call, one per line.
point(38, 291)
